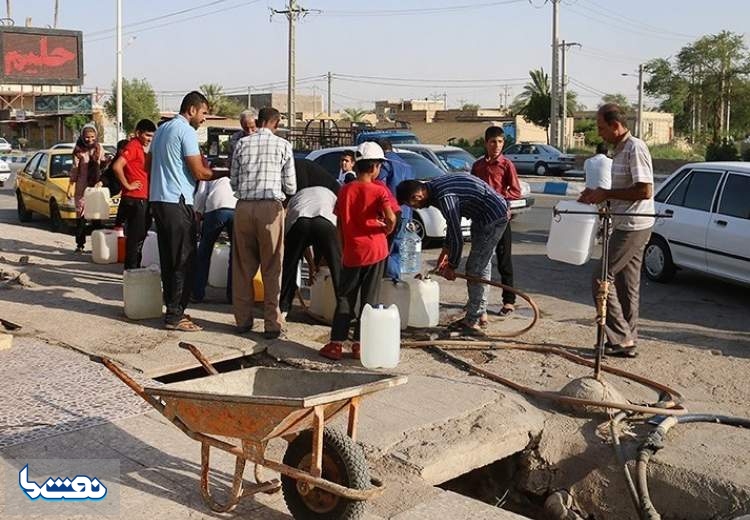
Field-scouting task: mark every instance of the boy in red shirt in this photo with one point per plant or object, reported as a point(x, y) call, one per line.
point(130, 168)
point(365, 218)
point(499, 172)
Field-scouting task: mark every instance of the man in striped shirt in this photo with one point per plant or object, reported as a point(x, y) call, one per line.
point(457, 196)
point(262, 176)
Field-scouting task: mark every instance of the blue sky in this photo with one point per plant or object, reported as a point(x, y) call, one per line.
point(469, 49)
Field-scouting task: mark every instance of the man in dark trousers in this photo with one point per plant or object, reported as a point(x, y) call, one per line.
point(457, 196)
point(176, 165)
point(498, 171)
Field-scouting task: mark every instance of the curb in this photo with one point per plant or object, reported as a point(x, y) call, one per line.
point(15, 158)
point(557, 188)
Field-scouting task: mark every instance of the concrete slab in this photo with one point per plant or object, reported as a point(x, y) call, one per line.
point(456, 507)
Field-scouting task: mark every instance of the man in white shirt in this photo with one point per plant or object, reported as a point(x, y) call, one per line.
point(597, 169)
point(214, 209)
point(310, 222)
point(632, 192)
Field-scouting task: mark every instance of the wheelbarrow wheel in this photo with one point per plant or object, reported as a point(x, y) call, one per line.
point(343, 463)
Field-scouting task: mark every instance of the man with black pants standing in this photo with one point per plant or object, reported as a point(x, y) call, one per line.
point(499, 172)
point(130, 169)
point(176, 164)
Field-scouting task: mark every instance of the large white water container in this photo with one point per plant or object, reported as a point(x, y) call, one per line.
point(424, 302)
point(141, 293)
point(380, 336)
point(322, 295)
point(150, 252)
point(571, 236)
point(96, 203)
point(217, 272)
point(396, 292)
point(104, 246)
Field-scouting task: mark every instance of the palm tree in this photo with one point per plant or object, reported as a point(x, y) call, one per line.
point(355, 115)
point(534, 102)
point(215, 95)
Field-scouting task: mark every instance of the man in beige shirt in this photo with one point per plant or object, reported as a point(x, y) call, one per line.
point(632, 192)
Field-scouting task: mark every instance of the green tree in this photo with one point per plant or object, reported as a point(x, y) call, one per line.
point(470, 106)
point(138, 102)
point(702, 85)
point(533, 103)
point(355, 115)
point(75, 122)
point(617, 99)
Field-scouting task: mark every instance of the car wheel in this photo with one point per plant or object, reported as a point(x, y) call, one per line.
point(657, 260)
point(55, 219)
point(541, 169)
point(24, 215)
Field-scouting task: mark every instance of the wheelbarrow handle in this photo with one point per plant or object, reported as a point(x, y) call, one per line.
point(199, 356)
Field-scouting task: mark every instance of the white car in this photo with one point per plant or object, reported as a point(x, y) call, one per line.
point(4, 172)
point(5, 145)
point(709, 228)
point(430, 224)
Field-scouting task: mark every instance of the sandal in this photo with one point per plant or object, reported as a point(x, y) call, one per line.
point(332, 350)
point(184, 325)
point(507, 310)
point(620, 351)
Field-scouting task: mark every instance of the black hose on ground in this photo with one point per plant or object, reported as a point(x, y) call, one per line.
point(655, 441)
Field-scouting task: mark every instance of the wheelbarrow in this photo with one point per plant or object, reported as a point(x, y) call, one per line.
point(324, 474)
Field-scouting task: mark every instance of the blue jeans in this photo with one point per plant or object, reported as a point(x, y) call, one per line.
point(484, 240)
point(214, 222)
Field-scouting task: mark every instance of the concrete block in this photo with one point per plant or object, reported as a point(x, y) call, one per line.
point(456, 507)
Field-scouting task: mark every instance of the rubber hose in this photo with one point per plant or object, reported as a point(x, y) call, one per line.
point(632, 491)
point(655, 441)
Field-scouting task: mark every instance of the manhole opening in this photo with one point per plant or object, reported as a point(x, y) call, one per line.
point(229, 365)
point(496, 484)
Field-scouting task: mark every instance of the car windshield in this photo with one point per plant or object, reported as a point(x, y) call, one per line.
point(455, 161)
point(3, 141)
point(422, 168)
point(548, 149)
point(403, 139)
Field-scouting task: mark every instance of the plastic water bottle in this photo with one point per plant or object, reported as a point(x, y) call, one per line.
point(411, 250)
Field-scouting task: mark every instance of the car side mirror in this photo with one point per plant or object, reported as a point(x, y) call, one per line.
point(41, 173)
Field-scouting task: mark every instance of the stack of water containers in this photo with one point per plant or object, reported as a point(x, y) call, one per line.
point(571, 235)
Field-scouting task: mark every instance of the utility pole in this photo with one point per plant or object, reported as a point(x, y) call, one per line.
point(292, 13)
point(8, 10)
point(330, 79)
point(554, 110)
point(57, 10)
point(249, 98)
point(639, 123)
point(118, 93)
point(564, 87)
point(445, 101)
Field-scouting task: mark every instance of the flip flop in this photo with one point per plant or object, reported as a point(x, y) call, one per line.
point(184, 325)
point(506, 311)
point(620, 351)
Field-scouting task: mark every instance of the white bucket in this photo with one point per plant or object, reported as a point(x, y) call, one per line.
point(219, 267)
point(398, 293)
point(150, 252)
point(96, 203)
point(141, 293)
point(322, 295)
point(571, 236)
point(424, 302)
point(104, 246)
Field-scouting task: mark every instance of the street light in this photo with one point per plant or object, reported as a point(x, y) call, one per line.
point(639, 117)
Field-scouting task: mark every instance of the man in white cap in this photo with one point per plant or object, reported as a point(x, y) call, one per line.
point(365, 219)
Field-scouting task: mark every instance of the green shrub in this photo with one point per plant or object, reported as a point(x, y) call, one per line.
point(746, 154)
point(671, 151)
point(723, 151)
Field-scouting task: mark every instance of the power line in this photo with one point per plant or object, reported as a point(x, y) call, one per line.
point(171, 23)
point(430, 80)
point(604, 19)
point(635, 22)
point(421, 10)
point(156, 18)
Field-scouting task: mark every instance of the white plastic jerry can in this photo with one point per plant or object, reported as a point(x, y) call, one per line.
point(322, 295)
point(424, 302)
point(150, 252)
point(396, 292)
point(104, 246)
point(141, 293)
point(219, 266)
point(571, 235)
point(96, 203)
point(380, 336)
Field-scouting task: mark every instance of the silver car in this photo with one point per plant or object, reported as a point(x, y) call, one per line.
point(539, 158)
